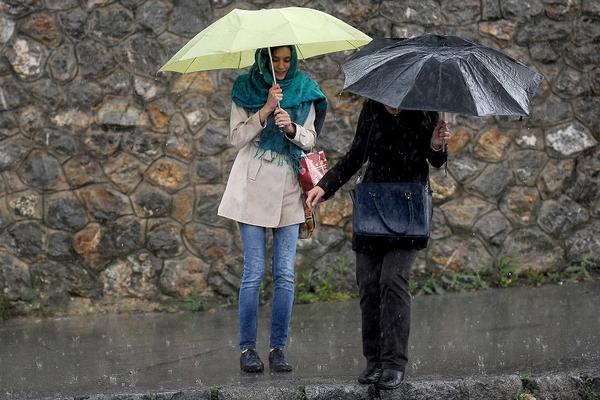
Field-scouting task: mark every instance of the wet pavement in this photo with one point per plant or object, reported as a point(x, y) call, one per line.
point(508, 331)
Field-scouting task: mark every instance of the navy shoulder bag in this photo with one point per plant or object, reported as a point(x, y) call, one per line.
point(400, 211)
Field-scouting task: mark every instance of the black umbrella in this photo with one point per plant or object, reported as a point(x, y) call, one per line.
point(441, 73)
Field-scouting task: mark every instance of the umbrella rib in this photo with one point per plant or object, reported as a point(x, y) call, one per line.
point(421, 62)
point(505, 76)
point(351, 44)
point(299, 51)
point(465, 66)
point(490, 99)
point(189, 65)
point(499, 82)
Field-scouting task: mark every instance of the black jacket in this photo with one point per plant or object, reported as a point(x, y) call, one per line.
point(397, 147)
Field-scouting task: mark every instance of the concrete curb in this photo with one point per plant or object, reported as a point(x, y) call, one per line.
point(573, 385)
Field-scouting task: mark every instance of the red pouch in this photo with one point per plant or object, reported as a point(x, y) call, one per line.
point(312, 168)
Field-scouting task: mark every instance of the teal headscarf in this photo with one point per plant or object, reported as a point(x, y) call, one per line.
point(251, 90)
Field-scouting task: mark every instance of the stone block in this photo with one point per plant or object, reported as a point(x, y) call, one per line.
point(64, 211)
point(185, 277)
point(531, 248)
point(135, 276)
point(168, 174)
point(163, 238)
point(461, 213)
point(520, 204)
point(125, 171)
point(27, 57)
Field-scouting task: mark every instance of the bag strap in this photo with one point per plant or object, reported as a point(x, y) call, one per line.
point(363, 168)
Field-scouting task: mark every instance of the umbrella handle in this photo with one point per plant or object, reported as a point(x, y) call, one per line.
point(273, 70)
point(444, 115)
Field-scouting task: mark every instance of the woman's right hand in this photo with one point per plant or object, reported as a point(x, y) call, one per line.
point(273, 99)
point(314, 196)
point(275, 96)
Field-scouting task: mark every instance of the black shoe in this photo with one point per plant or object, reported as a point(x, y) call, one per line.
point(277, 361)
point(250, 362)
point(390, 379)
point(371, 374)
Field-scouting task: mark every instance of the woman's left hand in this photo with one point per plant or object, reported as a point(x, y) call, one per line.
point(283, 121)
point(441, 135)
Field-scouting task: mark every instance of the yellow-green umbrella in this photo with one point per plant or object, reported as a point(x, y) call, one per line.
point(230, 42)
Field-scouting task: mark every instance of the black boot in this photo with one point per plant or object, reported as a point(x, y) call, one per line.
point(277, 361)
point(370, 375)
point(390, 379)
point(250, 361)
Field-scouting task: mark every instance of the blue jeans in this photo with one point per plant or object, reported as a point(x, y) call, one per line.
point(254, 239)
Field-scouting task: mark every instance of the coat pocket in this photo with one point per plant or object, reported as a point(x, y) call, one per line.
point(253, 168)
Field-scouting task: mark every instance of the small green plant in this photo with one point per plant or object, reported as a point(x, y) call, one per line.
point(577, 273)
point(231, 301)
point(554, 277)
point(587, 391)
point(503, 272)
point(525, 394)
point(508, 273)
point(195, 302)
point(431, 286)
point(214, 392)
point(528, 392)
point(533, 277)
point(301, 393)
point(464, 282)
point(413, 286)
point(311, 289)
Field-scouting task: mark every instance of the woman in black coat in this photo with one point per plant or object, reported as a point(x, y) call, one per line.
point(399, 145)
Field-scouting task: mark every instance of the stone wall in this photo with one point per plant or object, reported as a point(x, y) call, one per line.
point(111, 174)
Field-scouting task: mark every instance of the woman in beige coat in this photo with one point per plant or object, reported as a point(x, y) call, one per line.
point(271, 125)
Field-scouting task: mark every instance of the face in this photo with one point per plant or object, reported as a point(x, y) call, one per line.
point(282, 58)
point(392, 110)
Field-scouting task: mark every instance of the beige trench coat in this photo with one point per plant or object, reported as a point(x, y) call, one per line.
point(260, 192)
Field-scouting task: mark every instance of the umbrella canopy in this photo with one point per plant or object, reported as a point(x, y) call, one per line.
point(441, 73)
point(231, 41)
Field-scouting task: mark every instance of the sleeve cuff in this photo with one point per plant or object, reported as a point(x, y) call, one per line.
point(295, 137)
point(257, 116)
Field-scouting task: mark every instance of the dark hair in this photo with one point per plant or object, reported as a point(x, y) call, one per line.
point(289, 46)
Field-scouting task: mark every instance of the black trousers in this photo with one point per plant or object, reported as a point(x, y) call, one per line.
point(383, 284)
